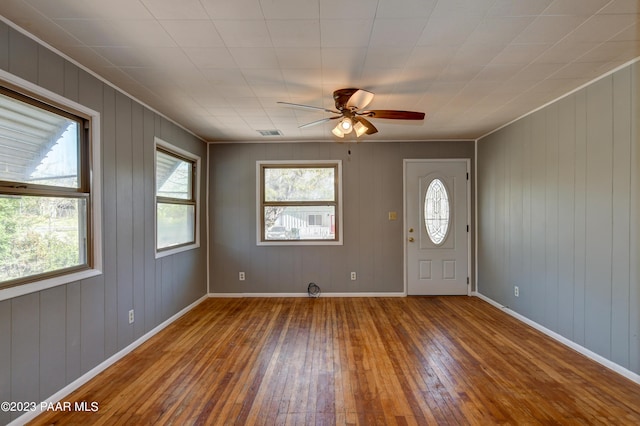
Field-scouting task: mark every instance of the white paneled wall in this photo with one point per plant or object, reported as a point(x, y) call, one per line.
point(50, 338)
point(558, 213)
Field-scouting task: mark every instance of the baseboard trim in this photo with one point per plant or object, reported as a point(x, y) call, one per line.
point(265, 295)
point(571, 344)
point(58, 396)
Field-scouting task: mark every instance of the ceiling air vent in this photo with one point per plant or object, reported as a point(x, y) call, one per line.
point(270, 132)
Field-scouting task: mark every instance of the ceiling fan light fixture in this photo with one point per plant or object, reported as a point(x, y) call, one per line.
point(338, 131)
point(346, 125)
point(360, 128)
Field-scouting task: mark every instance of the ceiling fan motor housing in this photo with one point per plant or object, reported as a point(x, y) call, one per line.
point(342, 96)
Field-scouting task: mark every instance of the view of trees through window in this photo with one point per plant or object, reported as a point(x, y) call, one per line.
point(39, 235)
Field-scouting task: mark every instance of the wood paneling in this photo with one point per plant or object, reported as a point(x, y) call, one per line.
point(92, 323)
point(5, 357)
point(598, 302)
point(50, 70)
point(110, 220)
point(373, 245)
point(151, 311)
point(53, 303)
point(23, 56)
point(577, 184)
point(580, 227)
point(4, 48)
point(416, 360)
point(124, 219)
point(551, 228)
point(138, 218)
point(566, 214)
point(49, 339)
point(25, 347)
point(71, 81)
point(73, 331)
point(621, 211)
point(634, 227)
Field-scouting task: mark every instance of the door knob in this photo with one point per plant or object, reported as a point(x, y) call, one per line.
point(410, 229)
point(410, 239)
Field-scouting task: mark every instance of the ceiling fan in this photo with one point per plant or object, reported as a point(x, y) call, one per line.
point(349, 109)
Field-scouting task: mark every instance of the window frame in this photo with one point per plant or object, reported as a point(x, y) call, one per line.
point(183, 155)
point(260, 202)
point(89, 185)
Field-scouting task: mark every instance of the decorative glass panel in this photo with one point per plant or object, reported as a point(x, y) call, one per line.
point(436, 211)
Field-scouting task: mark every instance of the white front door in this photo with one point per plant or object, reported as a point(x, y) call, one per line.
point(436, 227)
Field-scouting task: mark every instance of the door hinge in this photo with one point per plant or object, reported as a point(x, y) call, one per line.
point(467, 176)
point(467, 228)
point(467, 280)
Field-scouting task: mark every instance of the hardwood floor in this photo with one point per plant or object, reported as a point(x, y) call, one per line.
point(415, 360)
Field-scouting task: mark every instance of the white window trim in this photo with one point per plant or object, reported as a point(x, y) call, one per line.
point(196, 187)
point(337, 242)
point(96, 194)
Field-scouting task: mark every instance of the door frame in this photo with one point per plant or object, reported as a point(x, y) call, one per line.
point(405, 235)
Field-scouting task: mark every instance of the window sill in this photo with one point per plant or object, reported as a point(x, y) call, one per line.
point(299, 243)
point(22, 289)
point(165, 253)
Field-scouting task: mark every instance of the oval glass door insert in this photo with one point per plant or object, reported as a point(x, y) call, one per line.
point(436, 211)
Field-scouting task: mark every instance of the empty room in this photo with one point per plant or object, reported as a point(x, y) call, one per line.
point(275, 212)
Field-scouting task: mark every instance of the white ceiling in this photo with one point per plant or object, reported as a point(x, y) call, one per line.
point(218, 67)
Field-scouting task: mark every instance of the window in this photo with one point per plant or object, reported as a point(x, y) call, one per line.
point(47, 220)
point(176, 199)
point(299, 202)
point(315, 220)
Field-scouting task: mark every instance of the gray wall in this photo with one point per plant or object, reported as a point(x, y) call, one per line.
point(50, 338)
point(373, 245)
point(558, 211)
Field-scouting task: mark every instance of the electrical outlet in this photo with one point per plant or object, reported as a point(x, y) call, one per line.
point(131, 317)
point(516, 291)
point(353, 276)
point(241, 276)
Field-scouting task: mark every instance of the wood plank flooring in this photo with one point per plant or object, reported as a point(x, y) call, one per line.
point(326, 361)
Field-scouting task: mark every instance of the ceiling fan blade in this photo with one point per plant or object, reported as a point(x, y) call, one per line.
point(371, 129)
point(393, 114)
point(313, 123)
point(315, 108)
point(360, 99)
